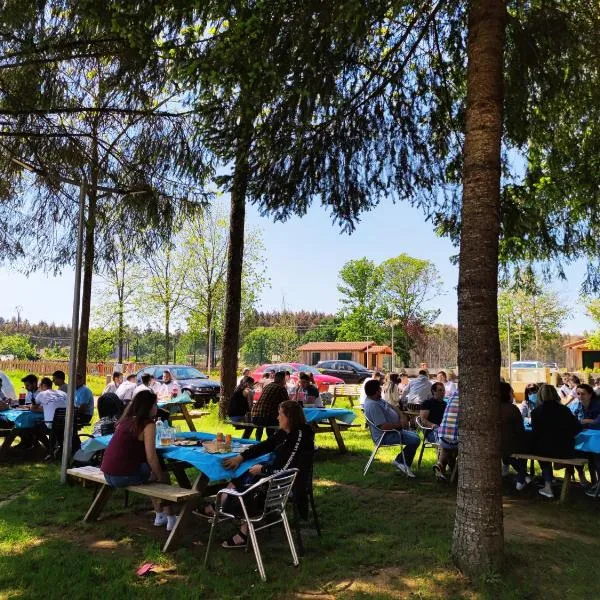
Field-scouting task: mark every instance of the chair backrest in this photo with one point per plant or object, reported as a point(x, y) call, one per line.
point(420, 425)
point(107, 428)
point(58, 421)
point(372, 427)
point(278, 490)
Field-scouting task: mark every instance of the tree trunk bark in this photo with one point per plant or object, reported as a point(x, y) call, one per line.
point(478, 541)
point(88, 263)
point(167, 334)
point(208, 334)
point(235, 259)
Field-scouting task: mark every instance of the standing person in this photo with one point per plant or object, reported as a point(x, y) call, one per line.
point(448, 438)
point(377, 376)
point(432, 411)
point(383, 416)
point(513, 435)
point(130, 457)
point(31, 385)
point(113, 386)
point(390, 391)
point(58, 379)
point(554, 429)
point(265, 409)
point(417, 390)
point(84, 401)
point(241, 400)
point(126, 389)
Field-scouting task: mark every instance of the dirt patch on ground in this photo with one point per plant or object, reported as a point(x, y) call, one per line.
point(393, 582)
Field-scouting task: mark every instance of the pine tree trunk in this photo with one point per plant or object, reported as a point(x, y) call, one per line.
point(478, 541)
point(88, 265)
point(167, 334)
point(235, 259)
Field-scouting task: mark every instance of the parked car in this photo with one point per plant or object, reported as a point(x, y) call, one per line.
point(527, 364)
point(200, 388)
point(323, 381)
point(348, 370)
point(551, 365)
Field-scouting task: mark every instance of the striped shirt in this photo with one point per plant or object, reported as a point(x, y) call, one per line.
point(448, 430)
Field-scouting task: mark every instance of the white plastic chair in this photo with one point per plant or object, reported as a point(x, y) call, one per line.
point(278, 488)
point(426, 443)
point(381, 442)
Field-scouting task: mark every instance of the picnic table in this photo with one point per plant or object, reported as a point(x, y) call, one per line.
point(211, 474)
point(322, 420)
point(23, 420)
point(178, 410)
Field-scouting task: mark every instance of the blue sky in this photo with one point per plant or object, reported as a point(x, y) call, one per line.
point(304, 257)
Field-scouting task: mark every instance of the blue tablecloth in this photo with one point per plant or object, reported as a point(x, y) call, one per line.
point(588, 440)
point(23, 419)
point(318, 414)
point(172, 405)
point(209, 464)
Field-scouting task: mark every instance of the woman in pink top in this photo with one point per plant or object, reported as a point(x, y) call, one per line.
point(131, 459)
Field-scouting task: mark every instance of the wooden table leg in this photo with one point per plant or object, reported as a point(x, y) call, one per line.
point(98, 503)
point(569, 471)
point(187, 417)
point(338, 435)
point(180, 475)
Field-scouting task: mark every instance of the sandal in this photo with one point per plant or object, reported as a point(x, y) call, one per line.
point(231, 543)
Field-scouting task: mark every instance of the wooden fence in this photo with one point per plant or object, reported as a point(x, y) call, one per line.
point(47, 367)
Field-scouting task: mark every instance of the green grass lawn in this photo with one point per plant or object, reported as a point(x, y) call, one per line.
point(383, 537)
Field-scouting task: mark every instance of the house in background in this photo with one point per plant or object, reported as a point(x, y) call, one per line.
point(581, 356)
point(368, 354)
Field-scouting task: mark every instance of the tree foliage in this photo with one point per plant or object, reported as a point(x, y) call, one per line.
point(18, 346)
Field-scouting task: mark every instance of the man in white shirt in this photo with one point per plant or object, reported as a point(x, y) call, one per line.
point(113, 386)
point(170, 383)
point(147, 384)
point(48, 400)
point(418, 390)
point(126, 389)
point(363, 394)
point(31, 385)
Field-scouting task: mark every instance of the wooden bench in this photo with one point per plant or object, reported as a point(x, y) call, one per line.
point(343, 390)
point(570, 464)
point(187, 416)
point(249, 427)
point(177, 495)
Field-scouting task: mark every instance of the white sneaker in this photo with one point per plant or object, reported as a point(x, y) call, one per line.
point(171, 521)
point(160, 519)
point(403, 468)
point(505, 470)
point(528, 479)
point(520, 486)
point(546, 493)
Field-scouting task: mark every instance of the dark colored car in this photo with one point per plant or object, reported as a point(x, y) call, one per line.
point(200, 388)
point(348, 370)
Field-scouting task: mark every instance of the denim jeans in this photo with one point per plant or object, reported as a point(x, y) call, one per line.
point(547, 471)
point(142, 475)
point(409, 438)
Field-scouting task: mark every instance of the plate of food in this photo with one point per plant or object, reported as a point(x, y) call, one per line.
point(185, 442)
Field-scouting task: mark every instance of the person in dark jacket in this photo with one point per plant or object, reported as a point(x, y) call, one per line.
point(513, 435)
point(292, 447)
point(554, 429)
point(241, 400)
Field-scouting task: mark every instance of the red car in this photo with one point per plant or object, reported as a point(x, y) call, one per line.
point(323, 381)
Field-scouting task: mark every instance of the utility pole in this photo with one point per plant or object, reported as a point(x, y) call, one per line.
point(19, 310)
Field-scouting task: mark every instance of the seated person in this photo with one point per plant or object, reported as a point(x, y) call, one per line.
point(58, 379)
point(130, 457)
point(448, 438)
point(530, 400)
point(31, 385)
point(293, 448)
point(307, 393)
point(590, 406)
point(146, 384)
point(432, 410)
point(390, 391)
point(514, 439)
point(554, 429)
point(264, 411)
point(113, 386)
point(170, 384)
point(84, 401)
point(417, 390)
point(126, 389)
point(241, 400)
point(110, 409)
point(47, 401)
point(384, 416)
